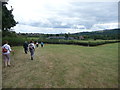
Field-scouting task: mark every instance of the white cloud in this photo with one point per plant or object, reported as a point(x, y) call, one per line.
point(79, 27)
point(29, 29)
point(56, 16)
point(104, 26)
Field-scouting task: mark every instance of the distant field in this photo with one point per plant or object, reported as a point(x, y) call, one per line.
point(34, 38)
point(64, 66)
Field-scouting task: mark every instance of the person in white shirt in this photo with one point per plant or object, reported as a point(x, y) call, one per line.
point(31, 49)
point(6, 49)
point(37, 44)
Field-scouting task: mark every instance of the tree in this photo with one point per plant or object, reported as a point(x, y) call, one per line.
point(7, 20)
point(66, 35)
point(47, 35)
point(57, 35)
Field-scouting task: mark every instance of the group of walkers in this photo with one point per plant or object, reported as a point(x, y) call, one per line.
point(31, 47)
point(6, 49)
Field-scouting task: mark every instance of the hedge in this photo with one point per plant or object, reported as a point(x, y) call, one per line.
point(18, 41)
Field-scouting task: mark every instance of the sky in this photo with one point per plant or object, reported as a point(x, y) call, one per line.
point(63, 16)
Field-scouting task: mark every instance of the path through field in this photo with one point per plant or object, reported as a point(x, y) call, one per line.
point(64, 66)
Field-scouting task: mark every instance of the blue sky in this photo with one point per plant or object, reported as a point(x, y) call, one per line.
point(63, 16)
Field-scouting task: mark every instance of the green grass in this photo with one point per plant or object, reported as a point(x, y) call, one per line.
point(34, 38)
point(64, 66)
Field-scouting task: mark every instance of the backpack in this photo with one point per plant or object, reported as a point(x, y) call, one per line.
point(31, 47)
point(4, 50)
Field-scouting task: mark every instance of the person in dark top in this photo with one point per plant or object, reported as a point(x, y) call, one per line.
point(25, 46)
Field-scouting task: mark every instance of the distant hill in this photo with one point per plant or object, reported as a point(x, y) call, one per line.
point(103, 32)
point(109, 34)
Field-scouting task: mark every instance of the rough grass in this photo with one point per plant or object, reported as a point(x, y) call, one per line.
point(64, 66)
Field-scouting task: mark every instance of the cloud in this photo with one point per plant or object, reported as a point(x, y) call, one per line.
point(104, 26)
point(29, 29)
point(62, 14)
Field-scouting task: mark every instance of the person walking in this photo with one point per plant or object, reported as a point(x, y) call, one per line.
point(25, 46)
point(42, 44)
point(6, 49)
point(37, 44)
point(31, 49)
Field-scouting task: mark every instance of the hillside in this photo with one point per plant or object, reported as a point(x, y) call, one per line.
point(110, 34)
point(103, 32)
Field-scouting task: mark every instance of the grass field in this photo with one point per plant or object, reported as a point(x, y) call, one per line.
point(64, 66)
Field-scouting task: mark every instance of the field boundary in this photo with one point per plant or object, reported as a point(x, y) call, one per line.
point(84, 43)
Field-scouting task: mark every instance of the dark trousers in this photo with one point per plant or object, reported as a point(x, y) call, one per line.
point(37, 45)
point(26, 50)
point(41, 45)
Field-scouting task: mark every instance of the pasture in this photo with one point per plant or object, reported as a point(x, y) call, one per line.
point(63, 66)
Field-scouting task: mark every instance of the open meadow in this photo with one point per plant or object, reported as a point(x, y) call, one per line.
point(63, 66)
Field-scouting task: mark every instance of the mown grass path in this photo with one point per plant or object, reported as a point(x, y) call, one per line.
point(64, 66)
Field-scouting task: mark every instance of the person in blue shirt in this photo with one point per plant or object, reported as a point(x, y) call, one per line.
point(42, 44)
